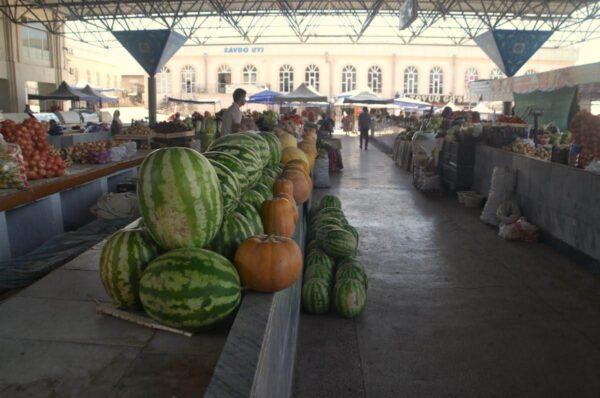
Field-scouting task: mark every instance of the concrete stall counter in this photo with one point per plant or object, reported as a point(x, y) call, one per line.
point(561, 200)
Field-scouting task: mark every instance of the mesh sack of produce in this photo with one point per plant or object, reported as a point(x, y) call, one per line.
point(12, 168)
point(504, 181)
point(321, 172)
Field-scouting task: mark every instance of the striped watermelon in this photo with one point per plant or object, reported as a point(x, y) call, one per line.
point(233, 164)
point(349, 296)
point(250, 160)
point(252, 215)
point(274, 147)
point(271, 172)
point(235, 229)
point(315, 296)
point(324, 223)
point(336, 242)
point(265, 152)
point(321, 271)
point(330, 201)
point(179, 198)
point(124, 256)
point(264, 191)
point(230, 186)
point(312, 245)
point(253, 197)
point(317, 256)
point(328, 212)
point(353, 231)
point(241, 139)
point(267, 180)
point(190, 289)
point(352, 271)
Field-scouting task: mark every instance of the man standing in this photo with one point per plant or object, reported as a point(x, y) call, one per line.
point(232, 118)
point(364, 123)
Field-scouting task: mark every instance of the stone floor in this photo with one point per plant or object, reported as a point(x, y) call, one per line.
point(453, 310)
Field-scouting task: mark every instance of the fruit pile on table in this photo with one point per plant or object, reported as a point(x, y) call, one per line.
point(213, 224)
point(333, 275)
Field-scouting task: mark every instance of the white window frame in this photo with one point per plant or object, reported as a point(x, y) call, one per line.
point(163, 81)
point(471, 74)
point(250, 74)
point(411, 80)
point(224, 70)
point(375, 79)
point(496, 74)
point(286, 79)
point(188, 79)
point(311, 76)
point(348, 78)
point(436, 81)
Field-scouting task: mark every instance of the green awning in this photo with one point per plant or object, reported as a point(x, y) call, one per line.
point(558, 106)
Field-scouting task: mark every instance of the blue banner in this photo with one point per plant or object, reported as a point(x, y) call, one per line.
point(511, 49)
point(151, 48)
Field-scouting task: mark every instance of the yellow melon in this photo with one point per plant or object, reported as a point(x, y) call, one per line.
point(287, 141)
point(293, 153)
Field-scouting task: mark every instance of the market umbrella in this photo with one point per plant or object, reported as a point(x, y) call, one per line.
point(482, 108)
point(103, 99)
point(453, 106)
point(405, 102)
point(304, 93)
point(367, 98)
point(264, 97)
point(64, 92)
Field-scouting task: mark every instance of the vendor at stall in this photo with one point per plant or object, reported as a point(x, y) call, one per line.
point(116, 126)
point(326, 126)
point(232, 117)
point(54, 128)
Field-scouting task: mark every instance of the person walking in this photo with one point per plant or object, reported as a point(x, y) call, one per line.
point(232, 117)
point(364, 124)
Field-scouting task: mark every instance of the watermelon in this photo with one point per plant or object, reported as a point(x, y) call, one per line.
point(278, 168)
point(315, 296)
point(353, 231)
point(271, 172)
point(124, 256)
point(230, 186)
point(336, 242)
point(352, 271)
point(190, 289)
point(267, 180)
point(265, 151)
point(250, 160)
point(326, 223)
point(253, 197)
point(274, 148)
point(179, 198)
point(233, 164)
point(312, 245)
point(321, 271)
point(317, 256)
point(264, 191)
point(330, 201)
point(328, 211)
point(349, 297)
point(241, 139)
point(252, 215)
point(235, 229)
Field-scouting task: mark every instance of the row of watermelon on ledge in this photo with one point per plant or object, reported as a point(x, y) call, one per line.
point(202, 239)
point(331, 264)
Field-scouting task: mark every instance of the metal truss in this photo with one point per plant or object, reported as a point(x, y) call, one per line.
point(231, 22)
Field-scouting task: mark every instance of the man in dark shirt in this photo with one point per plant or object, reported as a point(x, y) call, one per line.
point(364, 124)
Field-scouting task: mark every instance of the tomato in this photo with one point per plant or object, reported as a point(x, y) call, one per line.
point(60, 172)
point(42, 172)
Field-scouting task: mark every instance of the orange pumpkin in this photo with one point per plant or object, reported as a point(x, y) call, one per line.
point(308, 147)
point(290, 198)
point(278, 217)
point(302, 184)
point(298, 164)
point(283, 185)
point(268, 263)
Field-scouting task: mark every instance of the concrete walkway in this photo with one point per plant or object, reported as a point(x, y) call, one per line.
point(453, 310)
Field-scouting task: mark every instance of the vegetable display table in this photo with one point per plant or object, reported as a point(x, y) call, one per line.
point(51, 206)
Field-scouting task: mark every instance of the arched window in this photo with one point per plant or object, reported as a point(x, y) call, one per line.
point(411, 80)
point(223, 78)
point(311, 76)
point(163, 81)
point(470, 76)
point(286, 79)
point(348, 78)
point(436, 81)
point(250, 74)
point(374, 79)
point(188, 79)
point(530, 72)
point(496, 74)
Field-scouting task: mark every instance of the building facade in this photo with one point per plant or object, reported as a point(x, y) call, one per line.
point(432, 73)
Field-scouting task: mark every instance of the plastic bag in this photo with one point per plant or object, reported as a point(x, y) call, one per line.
point(504, 180)
point(594, 166)
point(424, 144)
point(508, 212)
point(520, 230)
point(112, 206)
point(12, 168)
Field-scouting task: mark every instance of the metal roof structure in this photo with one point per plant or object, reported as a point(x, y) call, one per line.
point(236, 22)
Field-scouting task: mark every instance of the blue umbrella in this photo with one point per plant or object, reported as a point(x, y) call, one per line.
point(264, 97)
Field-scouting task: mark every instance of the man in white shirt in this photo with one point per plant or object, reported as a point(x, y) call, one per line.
point(232, 117)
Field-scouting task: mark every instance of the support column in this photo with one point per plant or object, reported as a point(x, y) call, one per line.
point(453, 75)
point(11, 47)
point(394, 79)
point(206, 73)
point(152, 100)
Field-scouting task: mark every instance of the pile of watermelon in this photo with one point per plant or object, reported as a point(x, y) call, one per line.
point(196, 210)
point(333, 275)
